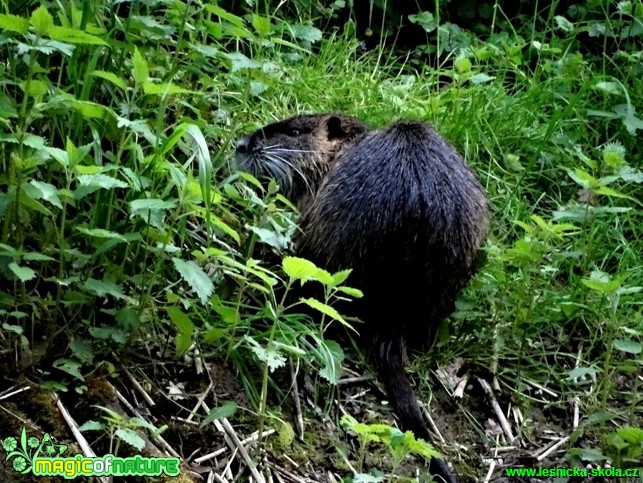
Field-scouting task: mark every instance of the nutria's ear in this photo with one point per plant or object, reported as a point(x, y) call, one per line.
point(335, 128)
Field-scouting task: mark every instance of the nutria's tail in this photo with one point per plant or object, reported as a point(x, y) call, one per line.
point(389, 359)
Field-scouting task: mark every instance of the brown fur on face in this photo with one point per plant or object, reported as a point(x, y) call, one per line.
point(299, 151)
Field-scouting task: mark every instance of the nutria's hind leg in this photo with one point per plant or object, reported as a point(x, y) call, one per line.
point(389, 356)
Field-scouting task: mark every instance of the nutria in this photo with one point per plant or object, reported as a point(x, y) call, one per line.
point(400, 207)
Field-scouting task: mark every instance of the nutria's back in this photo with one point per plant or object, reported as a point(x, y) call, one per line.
point(400, 207)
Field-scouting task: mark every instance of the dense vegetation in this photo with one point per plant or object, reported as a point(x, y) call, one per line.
point(137, 267)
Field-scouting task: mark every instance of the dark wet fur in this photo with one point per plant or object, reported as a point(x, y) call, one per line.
point(401, 208)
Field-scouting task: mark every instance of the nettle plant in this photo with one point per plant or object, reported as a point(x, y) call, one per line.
point(111, 225)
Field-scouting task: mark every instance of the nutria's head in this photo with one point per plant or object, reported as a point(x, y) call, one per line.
point(297, 152)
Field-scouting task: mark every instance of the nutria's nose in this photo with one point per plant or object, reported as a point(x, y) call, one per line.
point(242, 146)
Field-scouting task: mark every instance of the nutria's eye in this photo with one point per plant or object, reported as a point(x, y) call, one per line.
point(293, 132)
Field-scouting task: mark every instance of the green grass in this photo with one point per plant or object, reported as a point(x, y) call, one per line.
point(127, 237)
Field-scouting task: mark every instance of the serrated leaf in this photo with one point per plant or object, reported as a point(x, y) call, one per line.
point(563, 24)
point(69, 366)
point(24, 274)
point(164, 89)
point(285, 431)
point(102, 288)
point(195, 277)
point(91, 426)
point(610, 88)
point(37, 257)
point(306, 32)
point(13, 23)
point(324, 309)
point(111, 77)
point(225, 15)
point(37, 88)
point(91, 110)
point(261, 24)
point(603, 286)
point(353, 292)
point(101, 180)
point(332, 356)
point(583, 178)
point(270, 355)
point(184, 327)
point(100, 233)
point(223, 226)
point(152, 210)
point(341, 276)
point(41, 20)
point(240, 61)
point(305, 270)
point(82, 350)
point(579, 372)
point(629, 346)
point(48, 192)
point(226, 410)
point(131, 437)
point(140, 71)
point(480, 78)
point(269, 237)
point(74, 36)
point(589, 454)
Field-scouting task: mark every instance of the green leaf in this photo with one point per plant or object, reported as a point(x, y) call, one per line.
point(610, 88)
point(111, 77)
point(184, 327)
point(240, 61)
point(325, 309)
point(306, 32)
point(580, 372)
point(37, 88)
point(74, 36)
point(91, 426)
point(341, 276)
point(37, 257)
point(353, 292)
point(588, 454)
point(629, 346)
point(90, 110)
point(164, 89)
point(603, 286)
point(151, 208)
point(102, 288)
point(82, 350)
point(131, 437)
point(583, 178)
point(13, 23)
point(332, 357)
point(42, 21)
point(69, 366)
point(480, 78)
point(48, 192)
point(269, 355)
point(226, 410)
point(261, 24)
point(223, 14)
point(195, 277)
point(140, 71)
point(272, 238)
point(305, 270)
point(23, 273)
point(101, 180)
point(100, 233)
point(227, 229)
